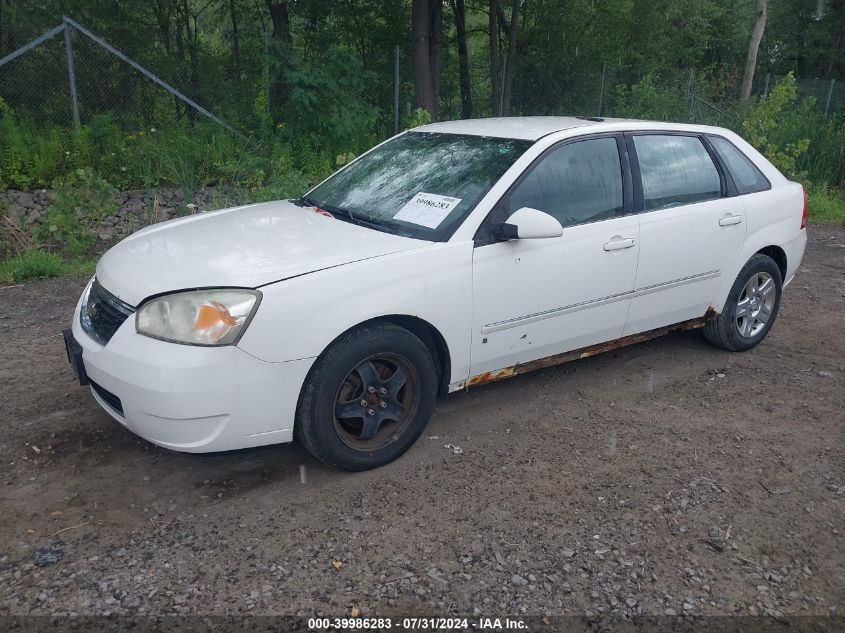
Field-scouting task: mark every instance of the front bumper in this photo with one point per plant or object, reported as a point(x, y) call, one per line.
point(189, 398)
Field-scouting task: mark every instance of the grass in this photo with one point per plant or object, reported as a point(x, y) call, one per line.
point(825, 206)
point(37, 264)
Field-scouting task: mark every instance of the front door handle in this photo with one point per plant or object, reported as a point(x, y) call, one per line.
point(617, 244)
point(730, 220)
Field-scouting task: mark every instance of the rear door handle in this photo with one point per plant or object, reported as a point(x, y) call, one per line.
point(730, 220)
point(619, 244)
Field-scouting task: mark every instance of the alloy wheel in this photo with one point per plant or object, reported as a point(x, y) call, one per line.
point(756, 304)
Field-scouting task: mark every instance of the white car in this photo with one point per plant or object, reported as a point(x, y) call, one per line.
point(446, 257)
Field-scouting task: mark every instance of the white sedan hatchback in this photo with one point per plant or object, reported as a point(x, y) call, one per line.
point(446, 257)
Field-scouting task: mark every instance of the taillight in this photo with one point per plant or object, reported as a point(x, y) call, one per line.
point(804, 212)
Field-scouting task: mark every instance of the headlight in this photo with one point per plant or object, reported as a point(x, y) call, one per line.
point(198, 317)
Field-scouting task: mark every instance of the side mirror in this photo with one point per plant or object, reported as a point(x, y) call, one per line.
point(528, 224)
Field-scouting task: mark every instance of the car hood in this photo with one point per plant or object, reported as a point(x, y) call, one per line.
point(244, 246)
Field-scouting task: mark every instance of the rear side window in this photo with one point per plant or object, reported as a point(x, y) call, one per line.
point(576, 183)
point(746, 176)
point(675, 170)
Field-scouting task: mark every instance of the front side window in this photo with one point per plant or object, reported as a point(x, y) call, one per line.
point(675, 170)
point(576, 183)
point(420, 184)
point(746, 176)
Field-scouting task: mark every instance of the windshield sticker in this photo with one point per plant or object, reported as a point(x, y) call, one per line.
point(427, 209)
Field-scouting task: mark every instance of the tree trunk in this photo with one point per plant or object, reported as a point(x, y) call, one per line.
point(753, 47)
point(834, 53)
point(511, 60)
point(4, 37)
point(162, 13)
point(421, 35)
point(236, 46)
point(459, 10)
point(434, 52)
point(495, 92)
point(280, 18)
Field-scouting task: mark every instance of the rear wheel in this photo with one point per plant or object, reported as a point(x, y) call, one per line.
point(751, 308)
point(368, 397)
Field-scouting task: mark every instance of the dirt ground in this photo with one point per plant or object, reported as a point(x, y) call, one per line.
point(665, 478)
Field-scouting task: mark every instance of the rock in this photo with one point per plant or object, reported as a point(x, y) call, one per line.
point(824, 374)
point(518, 580)
point(772, 577)
point(24, 199)
point(48, 555)
point(670, 612)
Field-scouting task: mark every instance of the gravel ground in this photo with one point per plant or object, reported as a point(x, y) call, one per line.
point(665, 478)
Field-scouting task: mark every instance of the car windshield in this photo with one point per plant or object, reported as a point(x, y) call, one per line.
point(419, 184)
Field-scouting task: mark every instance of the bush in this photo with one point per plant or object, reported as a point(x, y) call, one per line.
point(647, 99)
point(766, 116)
point(326, 107)
point(183, 154)
point(31, 265)
point(76, 211)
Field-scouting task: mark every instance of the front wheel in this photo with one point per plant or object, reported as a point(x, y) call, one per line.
point(751, 308)
point(368, 397)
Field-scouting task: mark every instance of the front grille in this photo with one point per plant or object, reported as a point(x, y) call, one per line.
point(103, 313)
point(108, 397)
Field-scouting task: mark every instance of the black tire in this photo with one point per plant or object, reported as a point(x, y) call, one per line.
point(740, 333)
point(379, 355)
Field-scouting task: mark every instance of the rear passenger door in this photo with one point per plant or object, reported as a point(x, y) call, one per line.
point(690, 228)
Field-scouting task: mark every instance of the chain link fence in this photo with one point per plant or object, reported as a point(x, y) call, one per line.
point(80, 77)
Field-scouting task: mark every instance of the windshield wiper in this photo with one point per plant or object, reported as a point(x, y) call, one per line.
point(339, 213)
point(307, 201)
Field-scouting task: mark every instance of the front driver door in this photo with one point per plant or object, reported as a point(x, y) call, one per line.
point(537, 298)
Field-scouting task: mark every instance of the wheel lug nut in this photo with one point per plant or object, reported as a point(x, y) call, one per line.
point(382, 404)
point(383, 391)
point(371, 389)
point(370, 412)
point(363, 403)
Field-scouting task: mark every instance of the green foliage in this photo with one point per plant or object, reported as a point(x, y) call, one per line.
point(33, 264)
point(825, 205)
point(184, 155)
point(764, 117)
point(647, 100)
point(290, 178)
point(824, 161)
point(76, 211)
point(326, 107)
point(419, 116)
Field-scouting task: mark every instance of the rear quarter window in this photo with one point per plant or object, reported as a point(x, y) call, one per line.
point(746, 176)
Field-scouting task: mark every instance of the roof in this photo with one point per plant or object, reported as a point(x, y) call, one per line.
point(528, 128)
point(531, 128)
